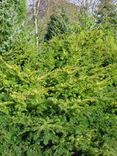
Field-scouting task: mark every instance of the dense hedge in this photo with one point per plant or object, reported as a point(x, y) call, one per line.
point(65, 104)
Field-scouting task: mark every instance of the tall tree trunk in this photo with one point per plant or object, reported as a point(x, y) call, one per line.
point(36, 4)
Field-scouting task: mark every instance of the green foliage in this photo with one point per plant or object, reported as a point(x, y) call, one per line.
point(58, 25)
point(63, 101)
point(107, 13)
point(11, 13)
point(86, 20)
point(23, 49)
point(20, 8)
point(7, 20)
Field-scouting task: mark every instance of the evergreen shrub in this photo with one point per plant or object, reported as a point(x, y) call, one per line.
point(66, 106)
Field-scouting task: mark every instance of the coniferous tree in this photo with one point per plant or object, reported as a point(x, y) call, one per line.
point(7, 20)
point(11, 13)
point(57, 25)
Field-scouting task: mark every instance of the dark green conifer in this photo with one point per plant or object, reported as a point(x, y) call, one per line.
point(58, 25)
